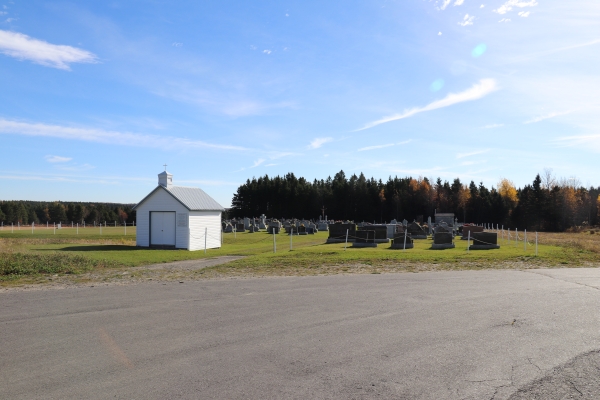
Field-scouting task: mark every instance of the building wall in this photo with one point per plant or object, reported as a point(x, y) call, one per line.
point(161, 201)
point(199, 220)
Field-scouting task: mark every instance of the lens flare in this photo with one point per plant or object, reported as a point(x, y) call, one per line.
point(479, 50)
point(436, 85)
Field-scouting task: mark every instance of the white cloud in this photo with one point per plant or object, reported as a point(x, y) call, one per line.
point(547, 116)
point(267, 51)
point(491, 126)
point(588, 142)
point(445, 4)
point(473, 153)
point(3, 13)
point(318, 142)
point(458, 2)
point(258, 162)
point(177, 44)
point(482, 6)
point(467, 20)
point(479, 90)
point(524, 14)
point(106, 137)
point(505, 20)
point(439, 33)
point(23, 47)
point(57, 159)
point(381, 146)
point(508, 6)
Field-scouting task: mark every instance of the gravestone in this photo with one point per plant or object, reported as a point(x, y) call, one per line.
point(228, 228)
point(416, 231)
point(381, 232)
point(323, 226)
point(394, 222)
point(404, 222)
point(429, 225)
point(365, 238)
point(253, 228)
point(302, 230)
point(442, 240)
point(337, 233)
point(240, 228)
point(472, 229)
point(484, 241)
point(272, 229)
point(398, 242)
point(246, 223)
point(310, 231)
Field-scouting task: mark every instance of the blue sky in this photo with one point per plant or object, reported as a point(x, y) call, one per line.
point(96, 96)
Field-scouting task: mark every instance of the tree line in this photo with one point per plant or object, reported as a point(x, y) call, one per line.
point(38, 212)
point(547, 203)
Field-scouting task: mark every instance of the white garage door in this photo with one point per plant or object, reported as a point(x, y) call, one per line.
point(162, 228)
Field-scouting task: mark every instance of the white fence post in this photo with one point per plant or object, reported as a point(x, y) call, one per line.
point(205, 233)
point(468, 240)
point(291, 236)
point(346, 244)
point(404, 249)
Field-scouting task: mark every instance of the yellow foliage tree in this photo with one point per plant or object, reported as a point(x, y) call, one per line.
point(508, 191)
point(598, 204)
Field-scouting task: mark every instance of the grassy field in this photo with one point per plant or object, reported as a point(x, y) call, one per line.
point(65, 252)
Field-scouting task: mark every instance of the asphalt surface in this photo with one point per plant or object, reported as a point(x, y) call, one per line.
point(440, 335)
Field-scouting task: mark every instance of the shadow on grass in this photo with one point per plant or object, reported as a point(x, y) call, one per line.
point(94, 248)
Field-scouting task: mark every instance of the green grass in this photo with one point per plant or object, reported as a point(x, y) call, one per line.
point(310, 255)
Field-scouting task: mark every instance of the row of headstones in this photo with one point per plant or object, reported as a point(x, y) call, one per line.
point(263, 223)
point(443, 236)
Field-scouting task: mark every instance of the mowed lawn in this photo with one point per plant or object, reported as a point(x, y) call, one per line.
point(110, 248)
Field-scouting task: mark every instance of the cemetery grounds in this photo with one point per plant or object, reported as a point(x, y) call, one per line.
point(47, 257)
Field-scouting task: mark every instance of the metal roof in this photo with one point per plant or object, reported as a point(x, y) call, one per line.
point(194, 199)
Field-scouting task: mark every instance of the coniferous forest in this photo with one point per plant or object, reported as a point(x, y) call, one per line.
point(547, 204)
point(38, 212)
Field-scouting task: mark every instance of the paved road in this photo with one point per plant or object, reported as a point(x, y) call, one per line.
point(440, 335)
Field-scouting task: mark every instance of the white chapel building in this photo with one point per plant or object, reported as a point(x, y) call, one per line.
point(178, 217)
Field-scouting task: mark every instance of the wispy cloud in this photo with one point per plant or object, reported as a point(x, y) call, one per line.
point(467, 20)
point(508, 6)
point(458, 2)
point(79, 167)
point(547, 116)
point(256, 164)
point(381, 146)
point(524, 14)
point(318, 142)
point(473, 153)
point(491, 126)
point(445, 4)
point(106, 137)
point(505, 20)
point(589, 142)
point(57, 159)
point(23, 47)
point(477, 91)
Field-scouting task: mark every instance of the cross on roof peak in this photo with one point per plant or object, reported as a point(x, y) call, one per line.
point(165, 165)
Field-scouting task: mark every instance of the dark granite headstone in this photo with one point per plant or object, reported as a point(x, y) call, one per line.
point(398, 243)
point(337, 233)
point(484, 241)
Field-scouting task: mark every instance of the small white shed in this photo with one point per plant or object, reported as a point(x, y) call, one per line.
point(178, 217)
